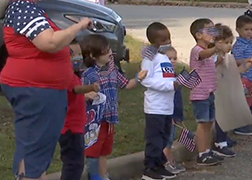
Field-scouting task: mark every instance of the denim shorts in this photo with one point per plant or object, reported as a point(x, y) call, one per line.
point(172, 137)
point(39, 118)
point(204, 110)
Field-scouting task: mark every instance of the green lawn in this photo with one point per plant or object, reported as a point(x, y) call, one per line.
point(129, 132)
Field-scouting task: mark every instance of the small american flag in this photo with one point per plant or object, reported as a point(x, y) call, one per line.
point(189, 80)
point(186, 138)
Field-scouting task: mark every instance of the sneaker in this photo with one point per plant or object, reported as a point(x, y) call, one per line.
point(165, 173)
point(244, 131)
point(172, 168)
point(207, 160)
point(219, 158)
point(151, 174)
point(180, 167)
point(106, 177)
point(225, 152)
point(231, 142)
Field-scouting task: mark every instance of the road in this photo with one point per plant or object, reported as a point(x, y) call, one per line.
point(177, 19)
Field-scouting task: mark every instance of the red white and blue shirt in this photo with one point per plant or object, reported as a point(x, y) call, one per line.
point(109, 79)
point(26, 65)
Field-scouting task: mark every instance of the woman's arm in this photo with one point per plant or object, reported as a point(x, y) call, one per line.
point(51, 41)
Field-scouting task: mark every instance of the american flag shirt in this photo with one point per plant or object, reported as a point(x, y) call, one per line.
point(109, 79)
point(26, 18)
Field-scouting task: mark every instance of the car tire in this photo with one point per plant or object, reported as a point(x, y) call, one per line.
point(118, 65)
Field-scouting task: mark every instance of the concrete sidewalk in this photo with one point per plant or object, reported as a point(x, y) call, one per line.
point(129, 166)
point(238, 168)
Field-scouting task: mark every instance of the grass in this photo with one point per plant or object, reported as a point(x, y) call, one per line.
point(129, 132)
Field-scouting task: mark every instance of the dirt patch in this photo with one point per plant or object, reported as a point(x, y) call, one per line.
point(185, 3)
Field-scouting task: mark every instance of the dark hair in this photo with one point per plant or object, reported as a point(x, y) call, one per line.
point(74, 41)
point(3, 56)
point(242, 20)
point(152, 29)
point(197, 25)
point(223, 32)
point(95, 45)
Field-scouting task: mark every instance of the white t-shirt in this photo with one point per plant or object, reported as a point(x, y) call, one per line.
point(159, 95)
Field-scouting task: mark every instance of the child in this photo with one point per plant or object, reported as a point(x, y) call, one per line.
point(158, 101)
point(178, 116)
point(242, 51)
point(72, 135)
point(99, 60)
point(202, 97)
point(225, 40)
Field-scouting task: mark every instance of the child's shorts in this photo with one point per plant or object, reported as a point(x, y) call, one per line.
point(204, 110)
point(39, 118)
point(103, 146)
point(247, 86)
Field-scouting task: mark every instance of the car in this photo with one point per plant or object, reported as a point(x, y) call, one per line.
point(105, 22)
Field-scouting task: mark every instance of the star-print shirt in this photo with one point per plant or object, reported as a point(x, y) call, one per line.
point(26, 65)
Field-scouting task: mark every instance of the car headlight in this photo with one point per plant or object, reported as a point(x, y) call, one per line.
point(98, 25)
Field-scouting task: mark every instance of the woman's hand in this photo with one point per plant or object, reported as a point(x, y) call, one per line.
point(96, 87)
point(85, 23)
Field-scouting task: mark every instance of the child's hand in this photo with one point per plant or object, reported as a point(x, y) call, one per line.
point(91, 95)
point(142, 74)
point(96, 87)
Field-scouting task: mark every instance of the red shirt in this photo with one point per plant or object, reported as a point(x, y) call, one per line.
point(76, 109)
point(26, 65)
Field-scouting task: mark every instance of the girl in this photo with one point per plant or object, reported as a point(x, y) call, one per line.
point(72, 135)
point(98, 58)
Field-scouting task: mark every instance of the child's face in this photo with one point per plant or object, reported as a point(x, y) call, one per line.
point(226, 45)
point(105, 58)
point(205, 34)
point(172, 55)
point(163, 38)
point(76, 50)
point(245, 31)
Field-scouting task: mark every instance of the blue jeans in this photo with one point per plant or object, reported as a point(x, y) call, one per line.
point(39, 118)
point(204, 110)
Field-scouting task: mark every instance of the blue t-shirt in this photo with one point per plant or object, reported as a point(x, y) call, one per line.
point(242, 49)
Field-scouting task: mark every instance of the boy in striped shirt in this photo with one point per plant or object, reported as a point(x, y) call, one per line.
point(202, 97)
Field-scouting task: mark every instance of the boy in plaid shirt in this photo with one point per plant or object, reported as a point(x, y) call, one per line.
point(98, 58)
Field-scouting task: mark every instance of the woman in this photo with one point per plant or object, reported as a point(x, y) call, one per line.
point(34, 80)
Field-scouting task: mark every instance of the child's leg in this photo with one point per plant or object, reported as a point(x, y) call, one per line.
point(221, 145)
point(93, 153)
point(204, 112)
point(157, 131)
point(167, 149)
point(106, 151)
point(72, 157)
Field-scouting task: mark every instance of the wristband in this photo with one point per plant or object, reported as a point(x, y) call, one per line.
point(137, 79)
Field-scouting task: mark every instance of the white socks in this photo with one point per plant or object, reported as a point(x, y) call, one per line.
point(201, 153)
point(221, 144)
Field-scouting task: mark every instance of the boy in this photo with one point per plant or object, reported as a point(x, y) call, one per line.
point(177, 117)
point(158, 102)
point(202, 97)
point(242, 51)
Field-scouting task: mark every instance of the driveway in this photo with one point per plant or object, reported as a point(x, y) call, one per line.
point(177, 19)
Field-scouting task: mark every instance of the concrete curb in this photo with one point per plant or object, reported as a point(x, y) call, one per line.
point(130, 166)
point(185, 3)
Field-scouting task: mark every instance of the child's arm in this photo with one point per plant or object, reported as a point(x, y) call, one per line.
point(139, 77)
point(156, 83)
point(238, 53)
point(83, 89)
point(245, 66)
point(206, 53)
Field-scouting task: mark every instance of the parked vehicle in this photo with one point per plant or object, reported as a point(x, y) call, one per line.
point(105, 21)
